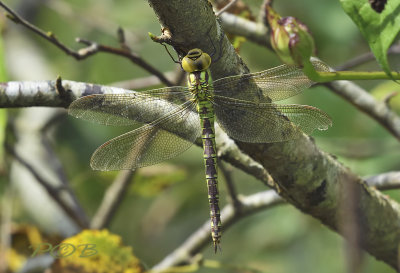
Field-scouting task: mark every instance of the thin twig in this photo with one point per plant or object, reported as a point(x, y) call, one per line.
point(49, 36)
point(378, 110)
point(122, 40)
point(250, 205)
point(366, 57)
point(227, 173)
point(144, 82)
point(201, 237)
point(83, 53)
point(55, 194)
point(253, 31)
point(23, 94)
point(176, 77)
point(111, 200)
point(92, 20)
point(264, 12)
point(384, 181)
point(58, 168)
point(5, 226)
point(230, 152)
point(258, 33)
point(94, 47)
point(390, 96)
point(225, 8)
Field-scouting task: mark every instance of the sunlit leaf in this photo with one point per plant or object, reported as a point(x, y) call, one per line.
point(152, 180)
point(388, 91)
point(379, 29)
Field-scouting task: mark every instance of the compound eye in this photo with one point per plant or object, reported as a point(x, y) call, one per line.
point(196, 60)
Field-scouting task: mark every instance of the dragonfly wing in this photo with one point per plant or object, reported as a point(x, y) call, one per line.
point(274, 84)
point(267, 122)
point(128, 108)
point(152, 143)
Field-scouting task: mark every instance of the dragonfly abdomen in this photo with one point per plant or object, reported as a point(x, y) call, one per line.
point(206, 114)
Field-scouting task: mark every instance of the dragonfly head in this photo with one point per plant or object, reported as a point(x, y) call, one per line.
point(196, 60)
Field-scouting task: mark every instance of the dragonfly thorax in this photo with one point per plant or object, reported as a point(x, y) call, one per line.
point(198, 85)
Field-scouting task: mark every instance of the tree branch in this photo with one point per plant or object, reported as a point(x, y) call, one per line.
point(230, 4)
point(253, 31)
point(310, 179)
point(366, 57)
point(44, 93)
point(258, 33)
point(384, 181)
point(111, 200)
point(55, 194)
point(231, 189)
point(349, 91)
point(378, 110)
point(91, 49)
point(250, 204)
point(200, 238)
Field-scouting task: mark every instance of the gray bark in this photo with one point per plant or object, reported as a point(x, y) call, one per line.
point(308, 178)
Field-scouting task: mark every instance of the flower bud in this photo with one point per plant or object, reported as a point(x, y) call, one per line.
point(290, 38)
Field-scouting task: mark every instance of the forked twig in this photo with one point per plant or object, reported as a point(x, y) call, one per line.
point(92, 48)
point(54, 193)
point(250, 205)
point(225, 8)
point(112, 199)
point(227, 173)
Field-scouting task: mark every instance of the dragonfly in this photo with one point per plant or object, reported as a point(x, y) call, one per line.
point(173, 118)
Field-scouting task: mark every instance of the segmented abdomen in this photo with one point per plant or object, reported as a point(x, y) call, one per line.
point(206, 114)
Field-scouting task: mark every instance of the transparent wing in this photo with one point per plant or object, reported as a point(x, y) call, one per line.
point(267, 122)
point(151, 143)
point(275, 84)
point(128, 108)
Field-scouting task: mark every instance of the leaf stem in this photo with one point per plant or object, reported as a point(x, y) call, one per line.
point(355, 75)
point(322, 76)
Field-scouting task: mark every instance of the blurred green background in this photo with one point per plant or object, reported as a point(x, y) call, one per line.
point(167, 202)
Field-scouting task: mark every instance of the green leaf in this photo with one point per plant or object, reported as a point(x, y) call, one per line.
point(152, 180)
point(379, 29)
point(388, 89)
